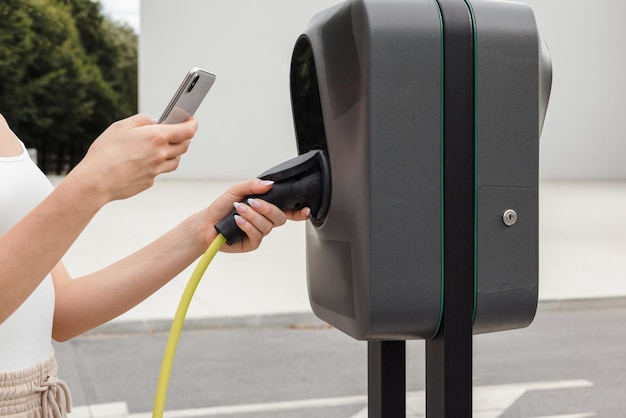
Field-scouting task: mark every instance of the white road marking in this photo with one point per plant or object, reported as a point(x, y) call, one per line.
point(260, 407)
point(103, 410)
point(571, 416)
point(488, 402)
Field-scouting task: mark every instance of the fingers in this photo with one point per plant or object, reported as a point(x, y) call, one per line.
point(239, 191)
point(179, 132)
point(167, 141)
point(264, 216)
point(257, 217)
point(131, 152)
point(139, 120)
point(298, 215)
point(164, 133)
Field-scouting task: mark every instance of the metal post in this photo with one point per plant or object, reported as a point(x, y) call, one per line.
point(386, 375)
point(449, 355)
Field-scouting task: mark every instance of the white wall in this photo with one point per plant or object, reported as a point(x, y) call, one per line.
point(246, 124)
point(585, 132)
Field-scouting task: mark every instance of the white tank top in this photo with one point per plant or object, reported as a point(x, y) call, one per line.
point(26, 335)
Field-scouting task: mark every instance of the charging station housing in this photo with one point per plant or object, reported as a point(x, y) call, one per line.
point(367, 88)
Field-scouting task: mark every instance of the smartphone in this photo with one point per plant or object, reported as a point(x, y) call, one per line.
point(188, 97)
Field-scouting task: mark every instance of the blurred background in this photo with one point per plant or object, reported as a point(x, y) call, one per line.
point(248, 45)
point(70, 68)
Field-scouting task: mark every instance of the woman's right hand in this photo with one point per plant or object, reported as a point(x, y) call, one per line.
point(125, 159)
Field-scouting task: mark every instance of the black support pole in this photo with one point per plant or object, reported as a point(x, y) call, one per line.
point(386, 379)
point(449, 354)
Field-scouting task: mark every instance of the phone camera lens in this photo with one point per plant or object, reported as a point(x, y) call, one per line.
point(193, 83)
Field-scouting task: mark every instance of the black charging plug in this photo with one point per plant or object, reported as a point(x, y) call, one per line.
point(303, 181)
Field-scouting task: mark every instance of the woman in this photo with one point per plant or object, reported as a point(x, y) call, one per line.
point(38, 298)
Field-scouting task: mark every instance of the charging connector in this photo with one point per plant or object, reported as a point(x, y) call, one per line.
point(303, 181)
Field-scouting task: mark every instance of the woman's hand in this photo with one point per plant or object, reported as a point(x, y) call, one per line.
point(256, 219)
point(125, 159)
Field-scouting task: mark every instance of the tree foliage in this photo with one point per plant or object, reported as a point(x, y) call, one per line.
point(66, 73)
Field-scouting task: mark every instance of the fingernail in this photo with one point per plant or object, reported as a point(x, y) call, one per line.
point(240, 220)
point(266, 182)
point(254, 203)
point(240, 208)
point(308, 212)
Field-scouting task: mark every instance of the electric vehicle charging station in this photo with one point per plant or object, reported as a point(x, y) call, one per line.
point(428, 114)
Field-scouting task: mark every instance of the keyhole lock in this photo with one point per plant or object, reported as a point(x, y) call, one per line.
point(509, 217)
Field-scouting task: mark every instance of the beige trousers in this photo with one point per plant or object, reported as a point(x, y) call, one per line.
point(35, 392)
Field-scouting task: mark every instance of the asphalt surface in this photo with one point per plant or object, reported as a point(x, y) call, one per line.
point(571, 363)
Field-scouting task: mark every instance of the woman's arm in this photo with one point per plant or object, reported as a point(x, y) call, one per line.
point(123, 161)
point(89, 301)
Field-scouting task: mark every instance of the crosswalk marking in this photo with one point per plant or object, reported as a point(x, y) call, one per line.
point(492, 401)
point(489, 402)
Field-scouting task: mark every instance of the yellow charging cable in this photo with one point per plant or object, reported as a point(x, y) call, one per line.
point(177, 324)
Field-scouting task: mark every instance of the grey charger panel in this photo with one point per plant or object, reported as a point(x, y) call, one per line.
point(366, 88)
point(510, 106)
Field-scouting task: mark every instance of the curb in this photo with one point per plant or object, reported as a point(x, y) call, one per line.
point(155, 326)
point(582, 304)
point(308, 319)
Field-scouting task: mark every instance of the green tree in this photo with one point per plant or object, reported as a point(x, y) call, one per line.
point(66, 73)
point(112, 48)
point(122, 74)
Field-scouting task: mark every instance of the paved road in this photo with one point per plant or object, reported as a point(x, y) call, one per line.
point(570, 363)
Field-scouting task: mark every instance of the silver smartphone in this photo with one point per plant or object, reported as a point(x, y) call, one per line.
point(188, 97)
